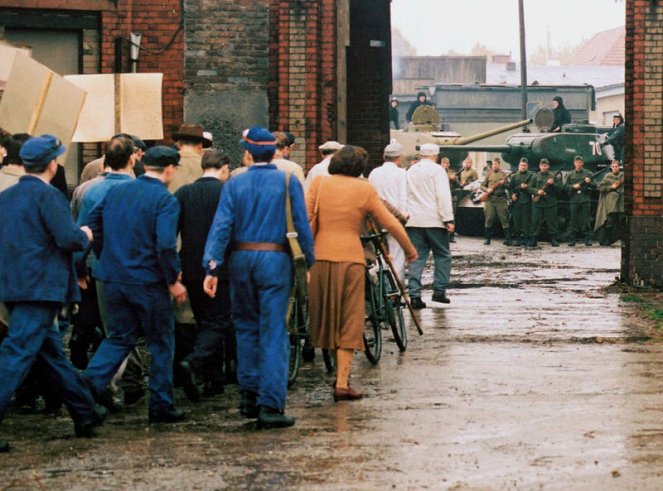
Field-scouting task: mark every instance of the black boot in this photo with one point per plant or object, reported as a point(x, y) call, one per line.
point(489, 235)
point(553, 241)
point(84, 426)
point(189, 381)
point(248, 406)
point(530, 242)
point(519, 240)
point(166, 416)
point(4, 446)
point(273, 418)
point(507, 237)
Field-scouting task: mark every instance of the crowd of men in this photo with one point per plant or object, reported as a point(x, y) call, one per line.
point(165, 244)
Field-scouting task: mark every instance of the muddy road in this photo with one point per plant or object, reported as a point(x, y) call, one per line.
point(534, 377)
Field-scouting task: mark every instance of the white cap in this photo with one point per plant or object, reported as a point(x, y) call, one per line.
point(394, 149)
point(330, 145)
point(430, 149)
point(208, 135)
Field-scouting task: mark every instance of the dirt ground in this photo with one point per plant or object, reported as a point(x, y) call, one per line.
point(536, 376)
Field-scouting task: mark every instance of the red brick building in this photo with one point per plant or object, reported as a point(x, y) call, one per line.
point(320, 69)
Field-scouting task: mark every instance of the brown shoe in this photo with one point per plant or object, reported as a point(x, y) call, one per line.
point(348, 394)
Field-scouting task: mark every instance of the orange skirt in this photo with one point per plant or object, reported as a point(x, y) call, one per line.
point(337, 306)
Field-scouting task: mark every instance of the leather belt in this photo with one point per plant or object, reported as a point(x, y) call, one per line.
point(259, 246)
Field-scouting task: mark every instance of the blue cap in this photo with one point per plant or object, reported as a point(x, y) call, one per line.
point(40, 150)
point(258, 139)
point(161, 156)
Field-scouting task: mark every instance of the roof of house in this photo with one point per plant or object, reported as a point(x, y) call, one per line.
point(605, 48)
point(598, 76)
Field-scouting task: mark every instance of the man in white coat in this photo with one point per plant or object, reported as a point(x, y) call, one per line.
point(391, 183)
point(431, 221)
point(327, 151)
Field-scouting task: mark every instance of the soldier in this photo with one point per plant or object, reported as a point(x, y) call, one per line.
point(496, 206)
point(454, 186)
point(611, 204)
point(521, 202)
point(544, 187)
point(579, 184)
point(468, 174)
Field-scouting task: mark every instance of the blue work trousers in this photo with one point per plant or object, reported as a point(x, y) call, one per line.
point(260, 285)
point(135, 310)
point(33, 334)
point(425, 240)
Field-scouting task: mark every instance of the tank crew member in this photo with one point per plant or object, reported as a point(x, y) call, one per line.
point(251, 222)
point(327, 151)
point(521, 202)
point(496, 206)
point(562, 115)
point(136, 230)
point(544, 187)
point(610, 211)
point(616, 137)
point(454, 186)
point(431, 221)
point(37, 238)
point(468, 174)
point(422, 100)
point(579, 184)
point(390, 181)
point(393, 114)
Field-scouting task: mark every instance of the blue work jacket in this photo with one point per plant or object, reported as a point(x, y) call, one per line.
point(37, 238)
point(135, 230)
point(252, 209)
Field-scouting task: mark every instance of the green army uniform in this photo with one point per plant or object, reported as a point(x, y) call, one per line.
point(610, 211)
point(579, 200)
point(496, 206)
point(456, 190)
point(545, 209)
point(521, 209)
point(467, 176)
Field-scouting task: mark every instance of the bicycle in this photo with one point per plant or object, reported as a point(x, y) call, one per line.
point(298, 328)
point(384, 303)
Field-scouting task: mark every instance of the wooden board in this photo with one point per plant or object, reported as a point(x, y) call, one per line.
point(96, 122)
point(7, 55)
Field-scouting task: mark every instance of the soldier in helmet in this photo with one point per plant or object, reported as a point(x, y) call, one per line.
point(521, 202)
point(579, 184)
point(422, 100)
point(544, 187)
point(610, 211)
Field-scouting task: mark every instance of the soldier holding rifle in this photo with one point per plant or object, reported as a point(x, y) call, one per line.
point(496, 205)
point(579, 184)
point(611, 204)
point(544, 186)
point(521, 202)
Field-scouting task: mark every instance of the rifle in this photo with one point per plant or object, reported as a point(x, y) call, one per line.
point(373, 229)
point(538, 197)
point(492, 188)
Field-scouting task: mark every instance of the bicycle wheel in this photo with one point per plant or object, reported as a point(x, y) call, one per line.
point(372, 325)
point(394, 303)
point(295, 360)
point(329, 359)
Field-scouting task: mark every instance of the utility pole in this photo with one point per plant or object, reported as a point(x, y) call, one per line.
point(523, 60)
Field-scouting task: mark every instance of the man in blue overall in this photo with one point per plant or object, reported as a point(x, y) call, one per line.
point(37, 238)
point(135, 227)
point(250, 221)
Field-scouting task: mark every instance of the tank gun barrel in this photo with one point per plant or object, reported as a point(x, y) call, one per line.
point(476, 148)
point(495, 131)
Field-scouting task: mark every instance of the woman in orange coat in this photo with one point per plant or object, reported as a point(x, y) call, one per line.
point(336, 289)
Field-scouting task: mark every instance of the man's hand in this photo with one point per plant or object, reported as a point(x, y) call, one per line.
point(514, 197)
point(451, 227)
point(550, 181)
point(541, 192)
point(411, 258)
point(614, 186)
point(523, 185)
point(83, 282)
point(178, 292)
point(489, 190)
point(308, 277)
point(588, 180)
point(576, 186)
point(88, 232)
point(209, 285)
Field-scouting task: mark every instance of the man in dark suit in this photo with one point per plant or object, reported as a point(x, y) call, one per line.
point(214, 338)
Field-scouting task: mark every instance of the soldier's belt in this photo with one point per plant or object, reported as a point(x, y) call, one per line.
point(259, 246)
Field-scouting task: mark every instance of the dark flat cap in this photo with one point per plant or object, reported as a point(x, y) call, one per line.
point(161, 156)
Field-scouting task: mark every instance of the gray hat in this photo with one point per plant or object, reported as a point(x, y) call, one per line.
point(330, 145)
point(394, 149)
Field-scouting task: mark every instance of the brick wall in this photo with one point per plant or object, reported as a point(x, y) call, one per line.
point(303, 78)
point(642, 257)
point(226, 67)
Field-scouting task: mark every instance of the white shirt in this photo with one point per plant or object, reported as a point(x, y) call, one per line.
point(319, 169)
point(391, 184)
point(428, 195)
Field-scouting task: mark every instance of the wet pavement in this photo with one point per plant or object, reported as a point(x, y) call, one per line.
point(534, 377)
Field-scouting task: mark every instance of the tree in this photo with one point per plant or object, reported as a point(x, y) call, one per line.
point(400, 46)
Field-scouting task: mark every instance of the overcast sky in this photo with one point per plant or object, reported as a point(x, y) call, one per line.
point(436, 26)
